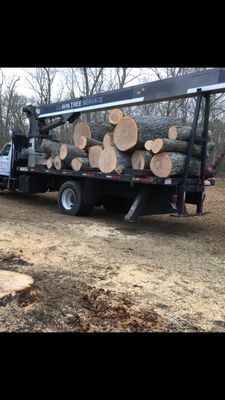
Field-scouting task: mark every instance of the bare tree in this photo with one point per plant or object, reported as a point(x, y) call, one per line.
point(41, 81)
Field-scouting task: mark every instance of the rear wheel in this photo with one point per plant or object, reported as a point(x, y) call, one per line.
point(70, 199)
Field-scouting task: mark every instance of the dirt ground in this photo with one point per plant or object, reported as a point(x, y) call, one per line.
point(101, 274)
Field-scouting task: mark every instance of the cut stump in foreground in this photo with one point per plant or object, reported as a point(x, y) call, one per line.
point(11, 282)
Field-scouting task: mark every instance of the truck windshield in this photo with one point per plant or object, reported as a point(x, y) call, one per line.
point(5, 150)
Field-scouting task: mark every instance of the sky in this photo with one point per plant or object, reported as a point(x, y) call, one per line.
point(23, 87)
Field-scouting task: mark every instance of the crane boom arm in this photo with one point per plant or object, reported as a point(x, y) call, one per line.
point(209, 81)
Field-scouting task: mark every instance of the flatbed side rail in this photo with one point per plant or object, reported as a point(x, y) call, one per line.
point(135, 177)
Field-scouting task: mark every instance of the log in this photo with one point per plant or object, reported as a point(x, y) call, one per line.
point(108, 140)
point(81, 129)
point(184, 132)
point(141, 159)
point(93, 155)
point(80, 163)
point(115, 116)
point(148, 145)
point(180, 146)
point(85, 143)
point(91, 130)
point(132, 133)
point(168, 164)
point(11, 282)
point(50, 162)
point(68, 153)
point(165, 145)
point(59, 164)
point(50, 148)
point(111, 159)
point(98, 130)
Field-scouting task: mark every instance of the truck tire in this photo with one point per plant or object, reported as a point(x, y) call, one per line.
point(117, 205)
point(70, 199)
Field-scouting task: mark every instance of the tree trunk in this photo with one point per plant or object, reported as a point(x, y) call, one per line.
point(184, 132)
point(180, 146)
point(59, 164)
point(68, 153)
point(115, 116)
point(50, 162)
point(164, 145)
point(164, 165)
point(148, 145)
point(80, 163)
point(141, 159)
point(93, 155)
point(85, 143)
point(92, 130)
point(50, 148)
point(111, 159)
point(132, 133)
point(108, 140)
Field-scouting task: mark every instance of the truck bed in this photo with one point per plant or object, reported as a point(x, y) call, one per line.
point(130, 175)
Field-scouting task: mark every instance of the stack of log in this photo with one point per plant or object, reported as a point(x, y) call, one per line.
point(158, 144)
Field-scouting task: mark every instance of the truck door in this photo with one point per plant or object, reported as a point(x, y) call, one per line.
point(5, 160)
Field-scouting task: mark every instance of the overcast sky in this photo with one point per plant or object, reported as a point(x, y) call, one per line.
point(23, 87)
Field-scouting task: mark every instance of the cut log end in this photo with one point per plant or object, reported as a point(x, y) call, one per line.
point(76, 164)
point(12, 282)
point(63, 151)
point(81, 129)
point(93, 155)
point(108, 140)
point(50, 162)
point(126, 134)
point(148, 145)
point(157, 145)
point(172, 132)
point(58, 163)
point(107, 160)
point(140, 159)
point(79, 163)
point(161, 165)
point(82, 142)
point(115, 116)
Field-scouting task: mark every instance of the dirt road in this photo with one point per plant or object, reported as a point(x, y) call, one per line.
point(103, 274)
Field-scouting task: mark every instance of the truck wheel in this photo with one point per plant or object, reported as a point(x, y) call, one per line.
point(117, 205)
point(70, 199)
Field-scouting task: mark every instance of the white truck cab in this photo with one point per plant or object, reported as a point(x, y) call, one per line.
point(5, 159)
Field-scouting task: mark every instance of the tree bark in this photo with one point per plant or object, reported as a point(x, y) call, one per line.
point(141, 159)
point(85, 143)
point(168, 164)
point(164, 145)
point(68, 152)
point(59, 164)
point(180, 146)
point(183, 133)
point(132, 133)
point(111, 159)
point(93, 155)
point(50, 148)
point(115, 116)
point(108, 140)
point(80, 163)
